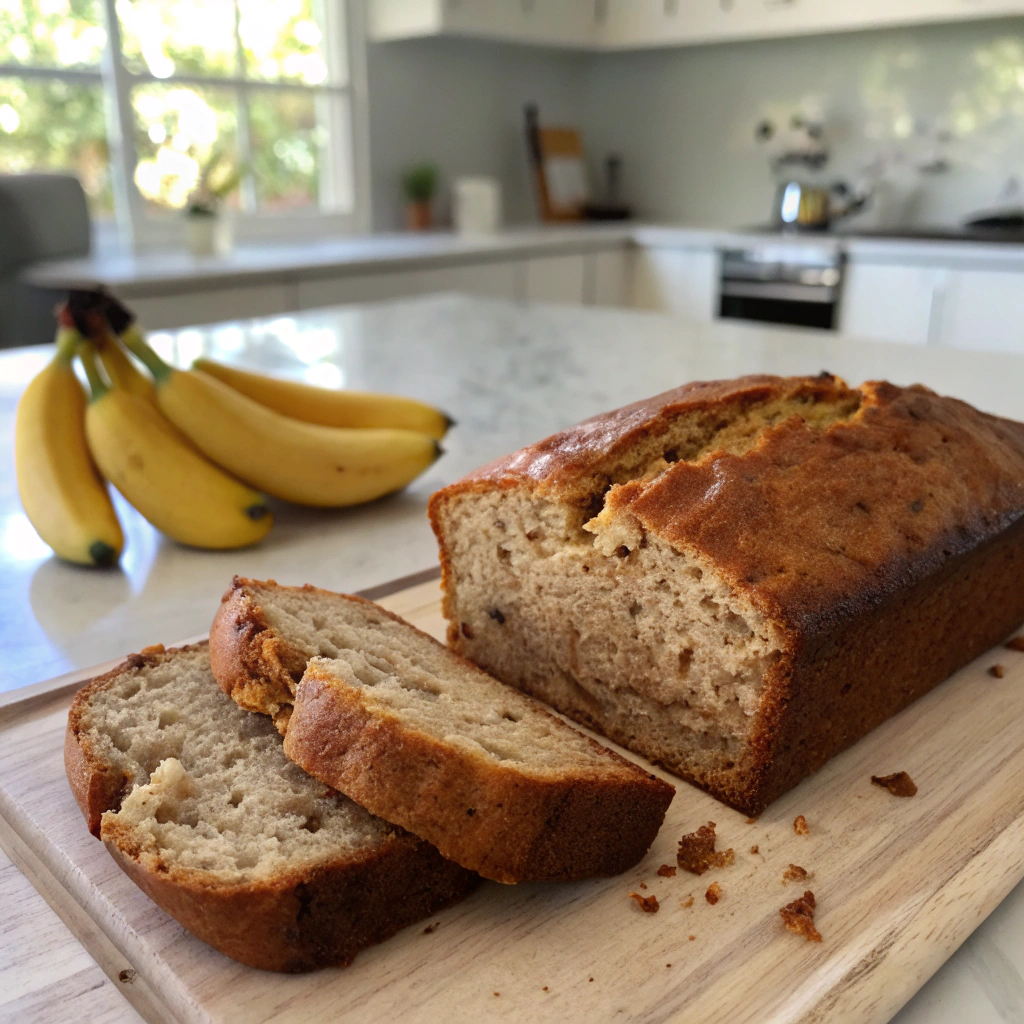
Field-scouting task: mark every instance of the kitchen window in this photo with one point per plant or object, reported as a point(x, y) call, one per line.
point(146, 99)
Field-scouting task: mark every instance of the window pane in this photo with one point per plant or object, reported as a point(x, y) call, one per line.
point(51, 33)
point(185, 135)
point(50, 125)
point(183, 37)
point(287, 141)
point(282, 41)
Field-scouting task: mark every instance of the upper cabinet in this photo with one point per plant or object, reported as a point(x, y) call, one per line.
point(625, 24)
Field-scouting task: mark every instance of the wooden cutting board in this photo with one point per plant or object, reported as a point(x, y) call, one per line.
point(900, 883)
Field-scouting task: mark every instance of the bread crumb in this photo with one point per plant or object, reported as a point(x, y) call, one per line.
point(751, 821)
point(899, 783)
point(643, 885)
point(544, 989)
point(127, 976)
point(497, 993)
point(668, 965)
point(688, 902)
point(697, 851)
point(798, 917)
point(997, 671)
point(591, 979)
point(431, 928)
point(1016, 644)
point(800, 826)
point(648, 904)
point(794, 873)
point(714, 893)
point(692, 937)
point(667, 871)
point(755, 849)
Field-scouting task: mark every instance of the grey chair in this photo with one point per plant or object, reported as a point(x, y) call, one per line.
point(42, 217)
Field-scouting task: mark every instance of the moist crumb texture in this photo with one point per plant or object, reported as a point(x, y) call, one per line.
point(667, 871)
point(424, 738)
point(997, 671)
point(714, 893)
point(800, 826)
point(697, 851)
point(738, 579)
point(798, 917)
point(899, 783)
point(211, 790)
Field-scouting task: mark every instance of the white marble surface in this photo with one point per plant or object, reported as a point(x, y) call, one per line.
point(172, 272)
point(509, 374)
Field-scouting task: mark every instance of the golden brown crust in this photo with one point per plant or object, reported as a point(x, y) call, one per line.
point(308, 919)
point(496, 820)
point(253, 665)
point(886, 550)
point(294, 921)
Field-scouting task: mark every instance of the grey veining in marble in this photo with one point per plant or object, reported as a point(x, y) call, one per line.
point(509, 374)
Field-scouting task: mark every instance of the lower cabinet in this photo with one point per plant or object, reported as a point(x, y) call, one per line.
point(983, 309)
point(158, 312)
point(884, 302)
point(680, 281)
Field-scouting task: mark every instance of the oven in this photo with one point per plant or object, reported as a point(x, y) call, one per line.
point(792, 284)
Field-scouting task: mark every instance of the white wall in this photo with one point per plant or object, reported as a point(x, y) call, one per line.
point(460, 103)
point(683, 118)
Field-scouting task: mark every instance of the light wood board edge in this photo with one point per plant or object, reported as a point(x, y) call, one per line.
point(110, 959)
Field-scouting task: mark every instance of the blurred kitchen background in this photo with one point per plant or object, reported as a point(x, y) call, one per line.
point(856, 167)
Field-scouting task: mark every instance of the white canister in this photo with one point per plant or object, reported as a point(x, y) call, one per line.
point(476, 205)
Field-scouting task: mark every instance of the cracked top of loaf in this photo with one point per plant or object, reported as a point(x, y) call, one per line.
point(813, 498)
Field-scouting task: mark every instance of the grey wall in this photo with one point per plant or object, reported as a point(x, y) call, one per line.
point(684, 118)
point(460, 103)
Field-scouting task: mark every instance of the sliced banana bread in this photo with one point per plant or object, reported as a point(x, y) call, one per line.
point(393, 719)
point(739, 579)
point(196, 801)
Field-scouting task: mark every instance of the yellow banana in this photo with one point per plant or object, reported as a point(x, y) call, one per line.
point(178, 490)
point(329, 407)
point(122, 371)
point(62, 493)
point(301, 462)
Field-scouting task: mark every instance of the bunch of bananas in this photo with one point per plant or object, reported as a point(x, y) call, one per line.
point(196, 450)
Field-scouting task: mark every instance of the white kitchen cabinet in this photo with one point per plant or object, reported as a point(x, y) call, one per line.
point(495, 280)
point(625, 24)
point(681, 281)
point(892, 302)
point(547, 22)
point(608, 277)
point(158, 312)
point(983, 309)
point(555, 279)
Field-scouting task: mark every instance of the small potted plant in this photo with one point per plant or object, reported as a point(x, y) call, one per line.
point(419, 184)
point(206, 230)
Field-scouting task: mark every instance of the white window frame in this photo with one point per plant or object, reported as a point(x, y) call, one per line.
point(346, 167)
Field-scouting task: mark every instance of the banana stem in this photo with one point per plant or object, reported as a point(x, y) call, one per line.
point(136, 344)
point(68, 339)
point(98, 387)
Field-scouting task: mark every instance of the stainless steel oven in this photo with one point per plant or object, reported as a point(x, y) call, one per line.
point(782, 284)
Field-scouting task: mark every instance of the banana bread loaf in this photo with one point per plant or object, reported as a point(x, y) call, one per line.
point(739, 579)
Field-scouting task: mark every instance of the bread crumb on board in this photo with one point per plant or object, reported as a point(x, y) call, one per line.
point(997, 671)
point(751, 821)
point(667, 871)
point(688, 902)
point(798, 917)
point(431, 928)
point(692, 937)
point(648, 904)
point(697, 851)
point(800, 826)
point(714, 893)
point(899, 783)
point(755, 849)
point(794, 873)
point(544, 989)
point(643, 885)
point(1016, 644)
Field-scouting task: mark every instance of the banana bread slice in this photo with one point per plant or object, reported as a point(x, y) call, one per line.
point(395, 720)
point(197, 803)
point(739, 579)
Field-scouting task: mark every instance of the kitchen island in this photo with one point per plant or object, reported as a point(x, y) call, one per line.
point(509, 374)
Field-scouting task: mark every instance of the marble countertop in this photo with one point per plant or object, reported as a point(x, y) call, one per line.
point(172, 272)
point(509, 374)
